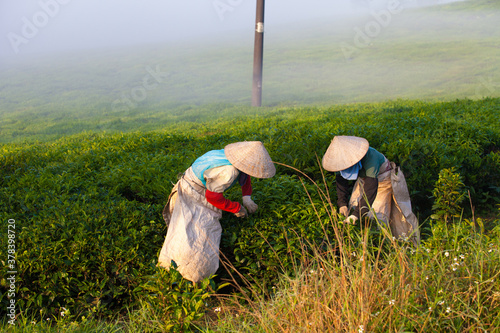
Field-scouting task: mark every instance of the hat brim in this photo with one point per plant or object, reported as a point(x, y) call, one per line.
point(344, 152)
point(250, 157)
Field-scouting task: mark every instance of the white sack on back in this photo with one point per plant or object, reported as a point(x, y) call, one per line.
point(193, 235)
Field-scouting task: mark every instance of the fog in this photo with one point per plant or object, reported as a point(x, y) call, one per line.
point(48, 26)
point(164, 54)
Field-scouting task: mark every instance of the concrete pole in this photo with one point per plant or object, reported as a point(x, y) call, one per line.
point(258, 55)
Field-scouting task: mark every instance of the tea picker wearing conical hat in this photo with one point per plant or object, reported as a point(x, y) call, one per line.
point(195, 205)
point(380, 184)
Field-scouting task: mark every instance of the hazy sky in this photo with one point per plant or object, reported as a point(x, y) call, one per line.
point(28, 26)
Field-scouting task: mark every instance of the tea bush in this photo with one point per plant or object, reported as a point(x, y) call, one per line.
point(448, 196)
point(88, 207)
point(272, 241)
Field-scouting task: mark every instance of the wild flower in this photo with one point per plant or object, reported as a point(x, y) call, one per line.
point(430, 308)
point(446, 254)
point(392, 302)
point(440, 302)
point(361, 329)
point(448, 310)
point(64, 311)
point(217, 309)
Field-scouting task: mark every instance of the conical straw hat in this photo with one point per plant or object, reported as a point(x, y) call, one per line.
point(250, 157)
point(344, 152)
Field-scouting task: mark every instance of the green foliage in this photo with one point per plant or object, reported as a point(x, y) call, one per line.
point(458, 275)
point(449, 283)
point(45, 98)
point(177, 303)
point(277, 238)
point(88, 207)
point(448, 193)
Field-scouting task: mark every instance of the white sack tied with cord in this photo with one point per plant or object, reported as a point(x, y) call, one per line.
point(194, 232)
point(404, 223)
point(392, 204)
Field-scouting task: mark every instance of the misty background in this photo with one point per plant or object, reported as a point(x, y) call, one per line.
point(85, 59)
point(51, 26)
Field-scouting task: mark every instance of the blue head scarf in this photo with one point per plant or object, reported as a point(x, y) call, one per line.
point(352, 172)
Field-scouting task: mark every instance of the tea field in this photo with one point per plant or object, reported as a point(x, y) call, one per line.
point(87, 225)
point(87, 164)
point(430, 54)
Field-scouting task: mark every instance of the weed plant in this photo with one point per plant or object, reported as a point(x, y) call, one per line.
point(89, 225)
point(367, 281)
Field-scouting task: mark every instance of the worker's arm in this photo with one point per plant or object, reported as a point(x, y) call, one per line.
point(246, 184)
point(218, 200)
point(246, 191)
point(342, 190)
point(220, 179)
point(370, 189)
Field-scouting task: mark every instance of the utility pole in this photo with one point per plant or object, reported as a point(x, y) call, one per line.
point(258, 55)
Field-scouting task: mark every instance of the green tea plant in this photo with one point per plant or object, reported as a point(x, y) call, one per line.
point(368, 281)
point(448, 193)
point(272, 243)
point(174, 303)
point(88, 207)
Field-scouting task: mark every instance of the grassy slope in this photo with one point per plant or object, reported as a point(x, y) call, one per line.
point(42, 123)
point(88, 190)
point(438, 54)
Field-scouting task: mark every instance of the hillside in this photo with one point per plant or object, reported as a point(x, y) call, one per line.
point(432, 54)
point(87, 214)
point(92, 143)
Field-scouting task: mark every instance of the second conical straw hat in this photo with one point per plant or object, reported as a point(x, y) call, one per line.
point(344, 152)
point(251, 157)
